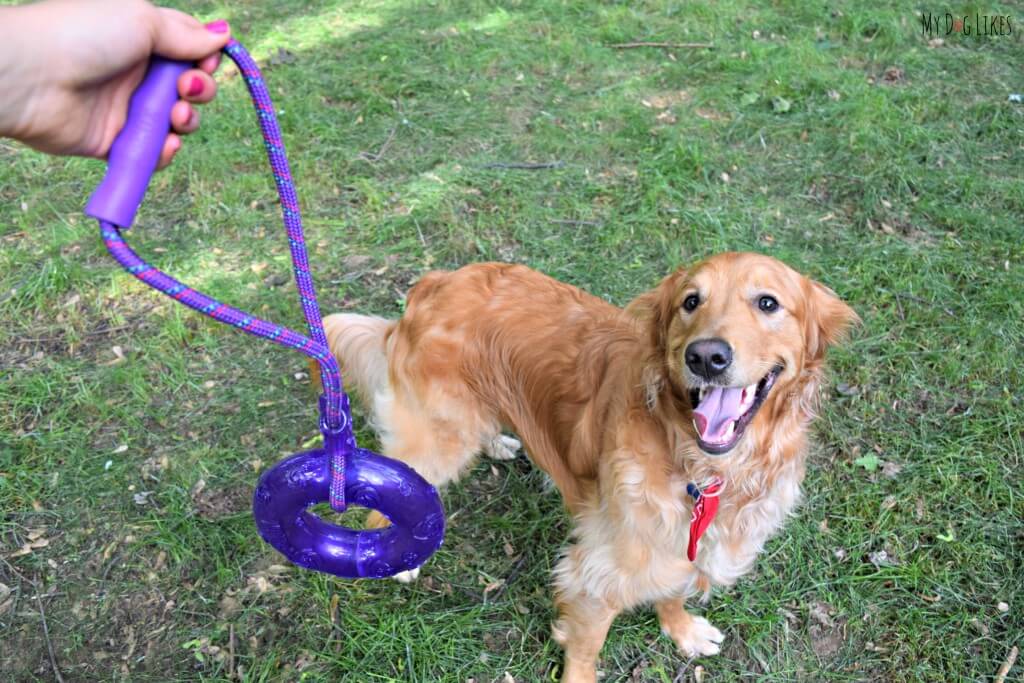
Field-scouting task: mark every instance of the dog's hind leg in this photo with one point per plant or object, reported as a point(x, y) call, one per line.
point(502, 447)
point(438, 446)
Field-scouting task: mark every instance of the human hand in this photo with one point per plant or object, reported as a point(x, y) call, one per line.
point(69, 67)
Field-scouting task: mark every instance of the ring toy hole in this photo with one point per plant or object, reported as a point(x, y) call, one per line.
point(285, 493)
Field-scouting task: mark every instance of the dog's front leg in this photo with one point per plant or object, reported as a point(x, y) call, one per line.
point(693, 635)
point(581, 628)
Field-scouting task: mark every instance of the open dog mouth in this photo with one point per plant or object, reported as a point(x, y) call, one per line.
point(721, 414)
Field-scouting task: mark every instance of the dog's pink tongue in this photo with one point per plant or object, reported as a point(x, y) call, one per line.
point(719, 408)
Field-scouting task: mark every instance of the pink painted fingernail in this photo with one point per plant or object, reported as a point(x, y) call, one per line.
point(195, 87)
point(219, 26)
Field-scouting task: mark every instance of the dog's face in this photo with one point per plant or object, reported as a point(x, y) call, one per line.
point(739, 331)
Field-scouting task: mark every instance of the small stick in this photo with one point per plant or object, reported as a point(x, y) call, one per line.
point(1007, 665)
point(49, 645)
point(678, 46)
point(919, 300)
point(562, 221)
point(899, 307)
point(373, 157)
point(511, 577)
point(525, 166)
point(231, 651)
point(90, 333)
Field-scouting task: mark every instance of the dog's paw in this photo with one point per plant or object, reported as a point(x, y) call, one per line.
point(503, 447)
point(407, 576)
point(698, 638)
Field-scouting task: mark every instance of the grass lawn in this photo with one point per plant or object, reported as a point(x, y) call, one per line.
point(831, 135)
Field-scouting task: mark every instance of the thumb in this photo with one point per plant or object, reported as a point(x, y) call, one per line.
point(177, 35)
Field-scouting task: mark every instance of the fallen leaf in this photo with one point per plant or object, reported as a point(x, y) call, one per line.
point(870, 462)
point(820, 612)
point(845, 389)
point(780, 105)
point(880, 558)
point(893, 74)
point(891, 469)
point(282, 56)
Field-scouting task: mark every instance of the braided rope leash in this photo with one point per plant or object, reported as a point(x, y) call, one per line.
point(335, 413)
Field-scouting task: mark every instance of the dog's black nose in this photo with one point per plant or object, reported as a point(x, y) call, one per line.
point(708, 357)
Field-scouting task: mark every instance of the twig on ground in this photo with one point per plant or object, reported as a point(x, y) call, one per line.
point(911, 297)
point(511, 577)
point(525, 166)
point(681, 673)
point(231, 651)
point(15, 571)
point(899, 309)
point(1004, 670)
point(563, 221)
point(374, 157)
point(677, 46)
point(93, 333)
point(49, 643)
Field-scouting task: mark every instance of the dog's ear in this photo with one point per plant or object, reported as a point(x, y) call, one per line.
point(656, 307)
point(828, 319)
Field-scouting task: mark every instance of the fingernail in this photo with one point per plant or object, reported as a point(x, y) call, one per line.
point(219, 26)
point(195, 87)
point(191, 119)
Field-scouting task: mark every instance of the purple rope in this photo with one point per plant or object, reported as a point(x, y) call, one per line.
point(335, 414)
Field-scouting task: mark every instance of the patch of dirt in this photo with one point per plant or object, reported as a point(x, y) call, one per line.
point(664, 100)
point(826, 630)
point(214, 504)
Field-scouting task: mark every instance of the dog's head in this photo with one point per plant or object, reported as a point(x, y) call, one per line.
point(737, 332)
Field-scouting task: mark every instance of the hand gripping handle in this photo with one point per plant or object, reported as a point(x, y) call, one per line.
point(136, 150)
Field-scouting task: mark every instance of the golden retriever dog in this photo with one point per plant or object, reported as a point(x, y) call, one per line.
point(687, 409)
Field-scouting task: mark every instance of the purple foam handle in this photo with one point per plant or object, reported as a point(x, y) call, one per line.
point(338, 472)
point(136, 151)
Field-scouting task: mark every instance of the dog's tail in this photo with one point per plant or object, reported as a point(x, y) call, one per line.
point(359, 342)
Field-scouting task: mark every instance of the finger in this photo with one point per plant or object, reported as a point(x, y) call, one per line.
point(177, 35)
point(210, 64)
point(171, 146)
point(196, 86)
point(184, 117)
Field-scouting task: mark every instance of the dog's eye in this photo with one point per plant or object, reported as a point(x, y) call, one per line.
point(768, 304)
point(690, 303)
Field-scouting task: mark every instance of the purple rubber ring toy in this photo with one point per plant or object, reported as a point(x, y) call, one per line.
point(340, 472)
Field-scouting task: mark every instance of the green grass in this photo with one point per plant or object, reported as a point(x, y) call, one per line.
point(904, 194)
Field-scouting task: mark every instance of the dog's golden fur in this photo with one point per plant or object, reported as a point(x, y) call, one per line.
point(599, 396)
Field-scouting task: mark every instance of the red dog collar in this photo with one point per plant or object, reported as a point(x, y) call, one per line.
point(705, 506)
